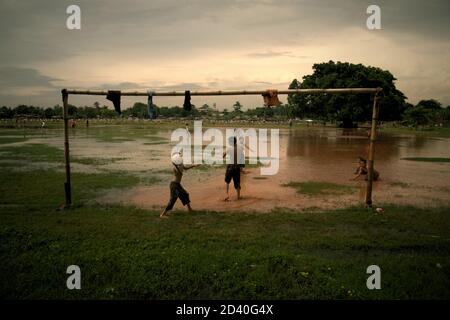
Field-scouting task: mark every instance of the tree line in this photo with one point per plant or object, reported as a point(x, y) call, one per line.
point(139, 110)
point(344, 109)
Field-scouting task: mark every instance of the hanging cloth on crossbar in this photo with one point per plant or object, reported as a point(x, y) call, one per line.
point(187, 101)
point(271, 98)
point(150, 106)
point(114, 96)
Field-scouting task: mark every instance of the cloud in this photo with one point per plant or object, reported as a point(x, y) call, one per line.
point(143, 86)
point(274, 54)
point(269, 54)
point(122, 86)
point(182, 86)
point(24, 78)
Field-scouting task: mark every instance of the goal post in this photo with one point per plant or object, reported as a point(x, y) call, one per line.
point(375, 91)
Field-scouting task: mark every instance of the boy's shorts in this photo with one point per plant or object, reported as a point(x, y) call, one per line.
point(233, 172)
point(177, 191)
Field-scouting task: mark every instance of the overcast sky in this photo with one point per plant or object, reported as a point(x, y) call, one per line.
point(208, 44)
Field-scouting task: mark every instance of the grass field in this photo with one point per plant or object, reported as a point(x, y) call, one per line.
point(313, 188)
point(128, 253)
point(425, 131)
point(427, 159)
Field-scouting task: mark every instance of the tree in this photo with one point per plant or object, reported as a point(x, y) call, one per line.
point(138, 110)
point(419, 115)
point(49, 113)
point(430, 104)
point(72, 111)
point(6, 113)
point(205, 110)
point(237, 106)
point(446, 114)
point(347, 108)
point(425, 112)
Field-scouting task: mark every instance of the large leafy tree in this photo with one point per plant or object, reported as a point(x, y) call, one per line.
point(425, 112)
point(346, 108)
point(430, 104)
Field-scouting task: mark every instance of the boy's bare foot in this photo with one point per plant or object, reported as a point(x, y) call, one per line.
point(226, 199)
point(163, 216)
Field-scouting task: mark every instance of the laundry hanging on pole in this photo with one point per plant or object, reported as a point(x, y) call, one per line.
point(271, 98)
point(187, 101)
point(150, 106)
point(114, 96)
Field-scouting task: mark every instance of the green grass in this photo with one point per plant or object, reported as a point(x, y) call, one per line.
point(33, 152)
point(439, 132)
point(313, 188)
point(95, 161)
point(123, 133)
point(156, 142)
point(5, 140)
point(44, 153)
point(429, 159)
point(124, 252)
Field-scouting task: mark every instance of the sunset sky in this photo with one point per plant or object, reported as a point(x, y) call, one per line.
point(240, 44)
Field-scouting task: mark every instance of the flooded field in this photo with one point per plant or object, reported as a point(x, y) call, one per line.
point(316, 165)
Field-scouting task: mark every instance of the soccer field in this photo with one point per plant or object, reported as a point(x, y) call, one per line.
point(125, 251)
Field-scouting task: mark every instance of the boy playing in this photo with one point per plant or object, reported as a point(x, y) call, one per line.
point(176, 190)
point(233, 168)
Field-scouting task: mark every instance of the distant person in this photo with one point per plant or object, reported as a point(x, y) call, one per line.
point(233, 171)
point(43, 124)
point(290, 123)
point(362, 170)
point(176, 190)
point(87, 122)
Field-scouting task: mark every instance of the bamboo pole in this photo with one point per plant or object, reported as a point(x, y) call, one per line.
point(67, 184)
point(227, 93)
point(370, 159)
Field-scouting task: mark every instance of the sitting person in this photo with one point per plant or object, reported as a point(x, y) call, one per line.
point(362, 170)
